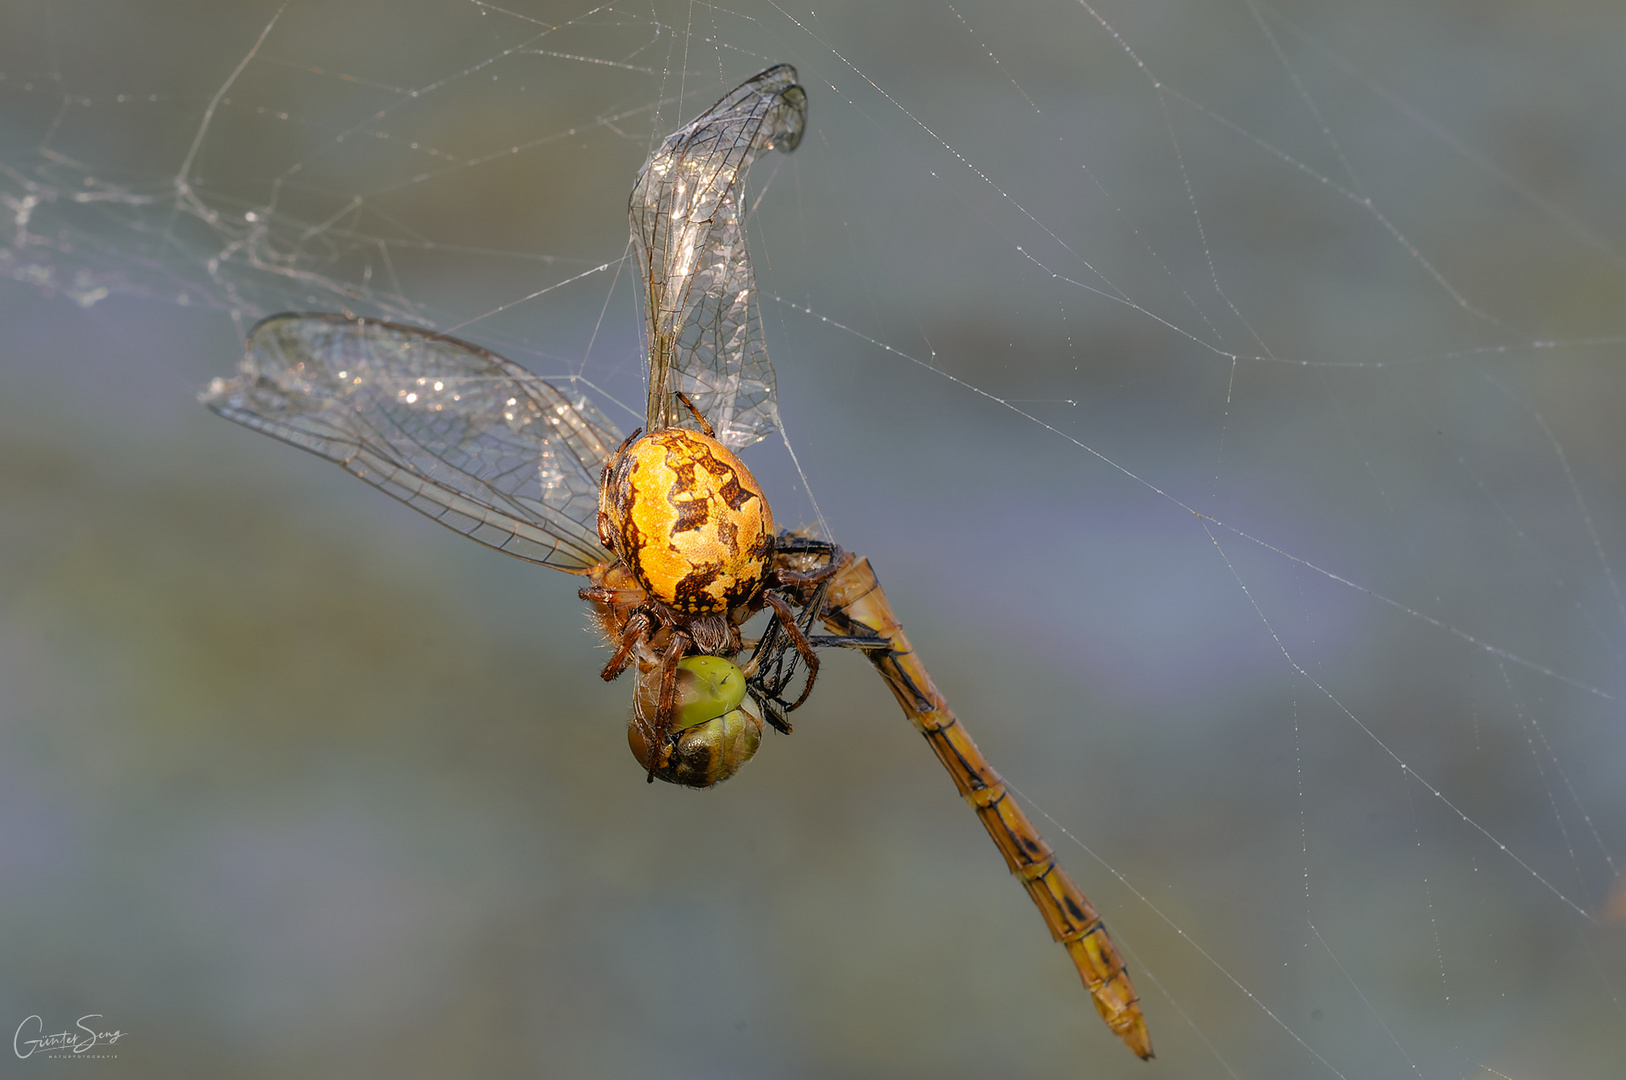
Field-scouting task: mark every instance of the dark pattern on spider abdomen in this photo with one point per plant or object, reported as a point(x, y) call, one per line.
point(689, 520)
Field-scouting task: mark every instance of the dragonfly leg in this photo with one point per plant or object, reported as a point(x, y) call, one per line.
point(798, 641)
point(843, 641)
point(789, 635)
point(790, 543)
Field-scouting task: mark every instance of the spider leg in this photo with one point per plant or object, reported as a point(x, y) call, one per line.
point(798, 640)
point(603, 594)
point(637, 628)
point(800, 579)
point(705, 426)
point(785, 577)
point(665, 702)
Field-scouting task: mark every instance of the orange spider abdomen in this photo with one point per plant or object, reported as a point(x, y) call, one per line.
point(688, 519)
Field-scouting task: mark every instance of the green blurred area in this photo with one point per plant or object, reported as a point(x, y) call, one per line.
point(293, 782)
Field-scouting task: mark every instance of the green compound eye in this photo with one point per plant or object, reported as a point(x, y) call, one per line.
point(707, 687)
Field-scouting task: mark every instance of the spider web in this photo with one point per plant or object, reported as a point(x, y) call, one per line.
point(1228, 397)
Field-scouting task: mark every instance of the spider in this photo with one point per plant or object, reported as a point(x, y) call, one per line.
point(691, 529)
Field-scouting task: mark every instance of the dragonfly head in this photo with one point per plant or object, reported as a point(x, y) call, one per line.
point(713, 731)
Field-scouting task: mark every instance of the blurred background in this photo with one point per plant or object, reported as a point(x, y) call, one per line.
point(1228, 395)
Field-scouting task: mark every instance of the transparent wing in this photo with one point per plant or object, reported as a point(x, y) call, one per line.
point(688, 220)
point(476, 442)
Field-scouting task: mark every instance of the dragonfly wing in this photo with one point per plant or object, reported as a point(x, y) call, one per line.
point(454, 431)
point(688, 221)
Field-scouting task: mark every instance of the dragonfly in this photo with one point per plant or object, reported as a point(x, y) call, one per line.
point(675, 538)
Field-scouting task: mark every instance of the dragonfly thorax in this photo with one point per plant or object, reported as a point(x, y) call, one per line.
point(688, 519)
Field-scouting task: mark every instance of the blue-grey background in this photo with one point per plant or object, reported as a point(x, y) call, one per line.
point(293, 782)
